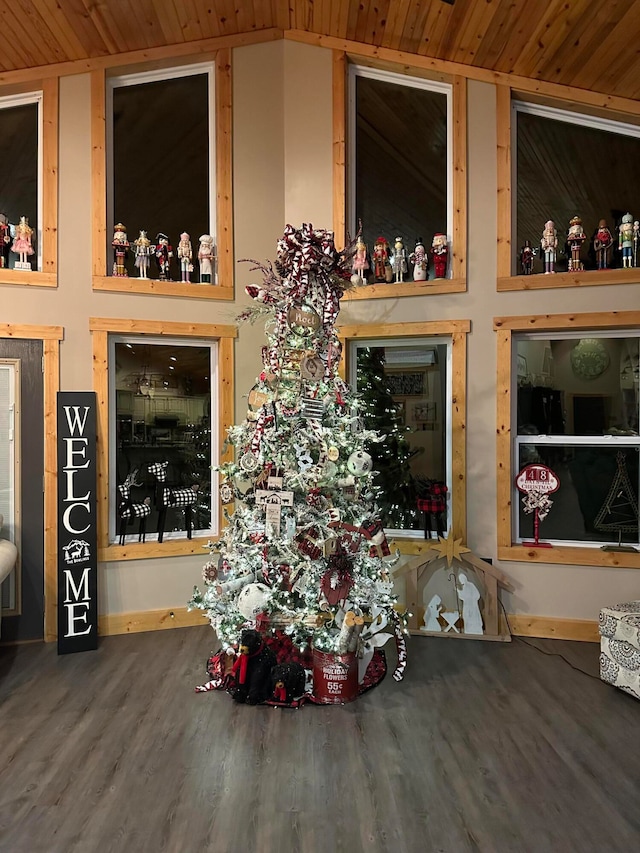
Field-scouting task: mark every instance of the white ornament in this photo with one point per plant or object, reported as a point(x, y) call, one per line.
point(252, 599)
point(359, 463)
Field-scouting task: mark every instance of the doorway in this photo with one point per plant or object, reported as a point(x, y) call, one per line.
point(24, 593)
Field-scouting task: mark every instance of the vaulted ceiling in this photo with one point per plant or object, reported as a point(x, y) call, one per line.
point(582, 43)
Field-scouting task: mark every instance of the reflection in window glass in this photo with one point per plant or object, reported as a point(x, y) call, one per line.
point(403, 388)
point(578, 403)
point(564, 169)
point(161, 162)
point(401, 162)
point(18, 175)
point(162, 414)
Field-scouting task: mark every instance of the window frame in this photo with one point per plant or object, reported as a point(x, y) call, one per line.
point(45, 96)
point(214, 377)
point(508, 103)
point(506, 440)
point(456, 331)
point(218, 66)
point(344, 74)
point(101, 330)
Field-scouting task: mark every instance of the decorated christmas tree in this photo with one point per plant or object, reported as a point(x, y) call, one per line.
point(302, 556)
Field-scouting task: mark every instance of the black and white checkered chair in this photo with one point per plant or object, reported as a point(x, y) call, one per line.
point(129, 509)
point(170, 496)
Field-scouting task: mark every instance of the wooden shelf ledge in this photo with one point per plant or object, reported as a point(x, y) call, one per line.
point(586, 278)
point(30, 279)
point(407, 288)
point(162, 288)
point(570, 555)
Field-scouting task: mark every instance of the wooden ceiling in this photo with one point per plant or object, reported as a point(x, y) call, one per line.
point(578, 43)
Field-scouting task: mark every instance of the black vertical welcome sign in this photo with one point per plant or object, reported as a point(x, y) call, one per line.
point(77, 534)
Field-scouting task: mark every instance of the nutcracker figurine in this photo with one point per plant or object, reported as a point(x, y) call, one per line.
point(22, 244)
point(527, 254)
point(420, 261)
point(185, 256)
point(625, 239)
point(399, 261)
point(549, 245)
point(206, 257)
point(381, 265)
point(120, 245)
point(440, 252)
point(602, 243)
point(5, 241)
point(575, 238)
point(360, 262)
point(164, 253)
point(636, 241)
point(143, 251)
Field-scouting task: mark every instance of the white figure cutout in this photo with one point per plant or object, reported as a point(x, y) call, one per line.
point(431, 614)
point(469, 596)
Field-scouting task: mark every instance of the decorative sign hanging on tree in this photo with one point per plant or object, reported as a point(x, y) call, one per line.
point(537, 482)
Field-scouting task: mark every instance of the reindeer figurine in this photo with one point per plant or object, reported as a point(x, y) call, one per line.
point(128, 510)
point(169, 496)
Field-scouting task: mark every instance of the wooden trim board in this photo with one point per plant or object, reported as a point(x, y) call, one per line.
point(408, 61)
point(543, 627)
point(151, 286)
point(147, 57)
point(552, 628)
point(149, 620)
point(224, 173)
point(339, 94)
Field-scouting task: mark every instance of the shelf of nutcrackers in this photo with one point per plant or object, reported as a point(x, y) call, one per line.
point(613, 261)
point(17, 240)
point(163, 258)
point(395, 271)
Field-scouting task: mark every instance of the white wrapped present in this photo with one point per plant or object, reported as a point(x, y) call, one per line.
point(620, 646)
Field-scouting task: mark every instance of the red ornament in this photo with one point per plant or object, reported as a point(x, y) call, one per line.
point(337, 581)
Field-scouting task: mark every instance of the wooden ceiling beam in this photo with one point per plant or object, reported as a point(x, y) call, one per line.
point(136, 57)
point(409, 61)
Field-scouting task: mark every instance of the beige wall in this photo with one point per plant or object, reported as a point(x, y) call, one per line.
point(283, 173)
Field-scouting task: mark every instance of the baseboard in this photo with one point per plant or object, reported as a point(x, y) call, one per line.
point(553, 628)
point(149, 620)
point(522, 625)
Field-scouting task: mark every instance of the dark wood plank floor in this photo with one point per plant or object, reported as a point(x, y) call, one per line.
point(483, 747)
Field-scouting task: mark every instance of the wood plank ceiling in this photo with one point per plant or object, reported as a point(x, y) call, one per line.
point(573, 42)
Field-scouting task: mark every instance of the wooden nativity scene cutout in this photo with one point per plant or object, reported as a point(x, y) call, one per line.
point(452, 593)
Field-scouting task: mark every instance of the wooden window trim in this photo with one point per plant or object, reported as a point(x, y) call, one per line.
point(558, 554)
point(457, 330)
point(224, 201)
point(50, 337)
point(538, 281)
point(48, 276)
point(458, 282)
point(101, 328)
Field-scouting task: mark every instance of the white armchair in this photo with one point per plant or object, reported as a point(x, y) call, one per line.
point(8, 556)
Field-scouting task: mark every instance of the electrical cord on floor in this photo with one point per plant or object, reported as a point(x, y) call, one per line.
point(543, 652)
